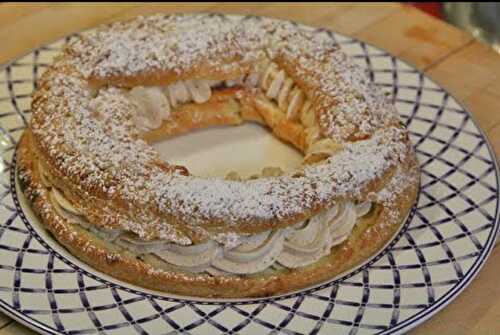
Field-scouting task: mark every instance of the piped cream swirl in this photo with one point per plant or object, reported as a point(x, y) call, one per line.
point(154, 104)
point(292, 247)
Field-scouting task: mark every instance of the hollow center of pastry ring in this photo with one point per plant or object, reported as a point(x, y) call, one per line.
point(265, 96)
point(215, 152)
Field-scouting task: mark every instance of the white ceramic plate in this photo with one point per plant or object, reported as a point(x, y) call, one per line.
point(441, 247)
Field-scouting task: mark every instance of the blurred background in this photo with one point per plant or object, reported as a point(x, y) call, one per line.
point(481, 19)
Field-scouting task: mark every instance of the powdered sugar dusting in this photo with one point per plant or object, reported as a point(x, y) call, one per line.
point(344, 174)
point(347, 104)
point(174, 42)
point(95, 145)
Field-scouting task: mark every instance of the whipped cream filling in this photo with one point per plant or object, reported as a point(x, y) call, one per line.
point(68, 212)
point(291, 247)
point(154, 103)
point(280, 88)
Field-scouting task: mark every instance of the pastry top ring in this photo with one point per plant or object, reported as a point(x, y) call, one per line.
point(111, 90)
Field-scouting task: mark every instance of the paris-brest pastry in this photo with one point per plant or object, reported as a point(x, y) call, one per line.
point(89, 171)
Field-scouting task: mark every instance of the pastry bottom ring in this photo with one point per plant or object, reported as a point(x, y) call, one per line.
point(368, 236)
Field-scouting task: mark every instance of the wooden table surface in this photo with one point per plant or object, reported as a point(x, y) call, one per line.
point(467, 68)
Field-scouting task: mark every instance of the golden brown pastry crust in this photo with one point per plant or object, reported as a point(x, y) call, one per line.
point(221, 110)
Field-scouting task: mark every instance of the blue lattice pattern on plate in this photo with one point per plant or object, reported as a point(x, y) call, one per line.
point(441, 247)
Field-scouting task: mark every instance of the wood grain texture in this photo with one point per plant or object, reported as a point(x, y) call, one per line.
point(15, 328)
point(415, 37)
point(4, 320)
point(468, 69)
point(494, 136)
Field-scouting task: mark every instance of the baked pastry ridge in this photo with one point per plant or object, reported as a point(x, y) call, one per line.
point(87, 166)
